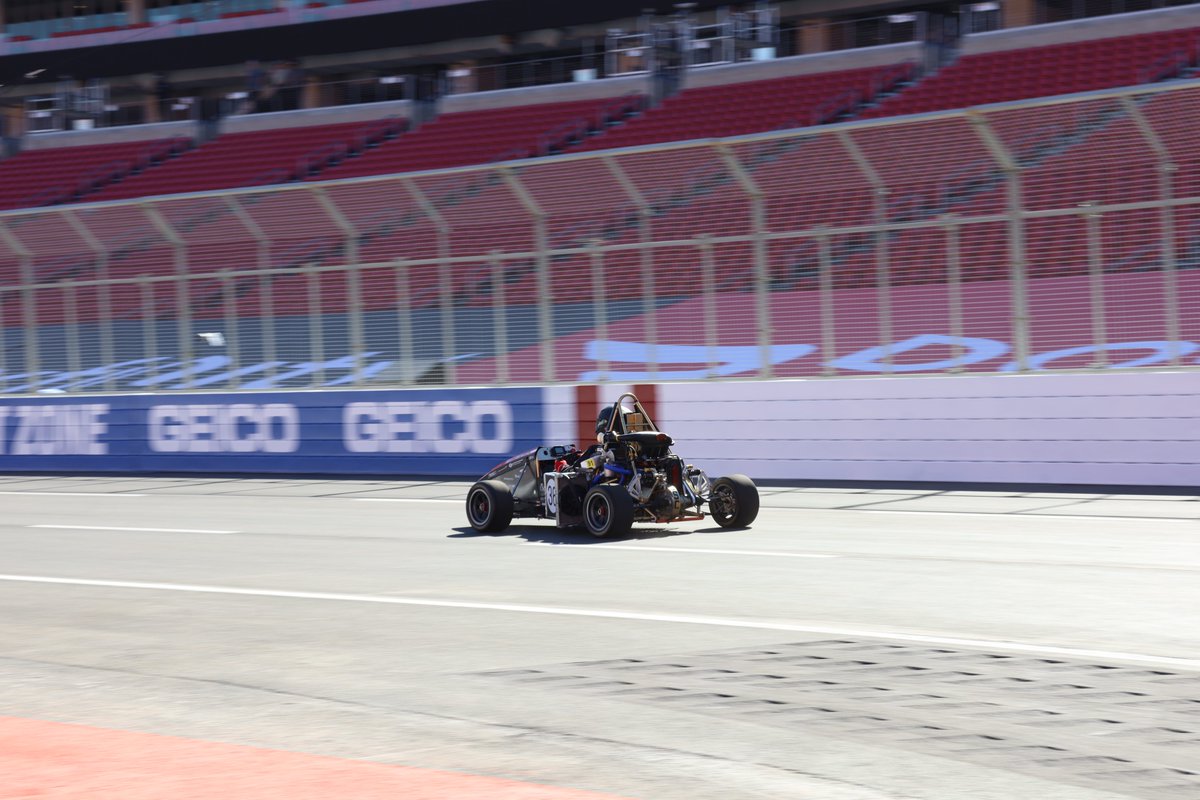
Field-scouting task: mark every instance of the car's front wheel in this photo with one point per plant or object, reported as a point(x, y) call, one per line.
point(733, 501)
point(608, 510)
point(489, 506)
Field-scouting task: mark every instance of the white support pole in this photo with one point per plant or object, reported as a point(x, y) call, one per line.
point(263, 281)
point(233, 344)
point(182, 285)
point(708, 280)
point(353, 279)
point(408, 369)
point(762, 277)
point(599, 308)
point(1018, 267)
point(149, 326)
point(954, 285)
point(1095, 254)
point(828, 306)
point(32, 362)
point(646, 254)
point(445, 278)
point(1167, 170)
point(883, 263)
point(103, 291)
point(499, 317)
point(545, 298)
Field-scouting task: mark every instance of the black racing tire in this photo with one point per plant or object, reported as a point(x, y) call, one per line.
point(489, 506)
point(608, 510)
point(733, 501)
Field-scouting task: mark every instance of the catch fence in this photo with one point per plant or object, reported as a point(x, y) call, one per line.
point(1056, 234)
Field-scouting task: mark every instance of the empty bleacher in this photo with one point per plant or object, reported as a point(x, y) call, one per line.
point(66, 174)
point(257, 158)
point(476, 137)
point(753, 106)
point(1046, 71)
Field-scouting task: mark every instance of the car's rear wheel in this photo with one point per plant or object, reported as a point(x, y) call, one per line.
point(489, 506)
point(608, 510)
point(733, 501)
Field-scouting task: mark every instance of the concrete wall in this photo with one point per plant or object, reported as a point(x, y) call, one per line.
point(364, 112)
point(1083, 29)
point(130, 133)
point(804, 65)
point(554, 93)
point(1116, 429)
point(1111, 429)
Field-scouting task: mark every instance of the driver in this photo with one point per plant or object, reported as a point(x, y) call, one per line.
point(605, 417)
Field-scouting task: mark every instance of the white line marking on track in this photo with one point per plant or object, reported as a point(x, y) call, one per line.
point(136, 530)
point(686, 619)
point(772, 554)
point(75, 494)
point(995, 514)
point(403, 500)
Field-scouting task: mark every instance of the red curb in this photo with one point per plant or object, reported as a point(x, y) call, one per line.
point(57, 761)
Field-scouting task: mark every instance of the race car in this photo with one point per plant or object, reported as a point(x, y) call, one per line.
point(630, 475)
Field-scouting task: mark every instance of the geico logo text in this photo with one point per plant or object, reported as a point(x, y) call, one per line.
point(448, 426)
point(215, 428)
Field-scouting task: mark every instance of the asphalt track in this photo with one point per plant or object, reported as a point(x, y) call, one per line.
point(200, 638)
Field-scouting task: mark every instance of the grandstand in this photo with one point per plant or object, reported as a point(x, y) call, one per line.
point(387, 228)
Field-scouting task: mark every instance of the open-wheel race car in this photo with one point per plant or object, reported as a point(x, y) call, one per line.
point(630, 475)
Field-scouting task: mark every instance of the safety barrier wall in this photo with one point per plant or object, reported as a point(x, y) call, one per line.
point(1115, 430)
point(1120, 429)
point(415, 432)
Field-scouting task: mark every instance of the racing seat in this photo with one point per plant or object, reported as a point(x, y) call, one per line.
point(636, 423)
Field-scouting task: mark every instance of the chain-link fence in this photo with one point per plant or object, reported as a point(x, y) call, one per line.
point(1053, 234)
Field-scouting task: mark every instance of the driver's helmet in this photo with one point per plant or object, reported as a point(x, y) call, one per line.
point(602, 421)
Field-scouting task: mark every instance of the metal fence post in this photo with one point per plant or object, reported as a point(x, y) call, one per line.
point(263, 281)
point(499, 317)
point(316, 323)
point(103, 292)
point(828, 306)
point(762, 278)
point(71, 324)
point(708, 279)
point(599, 307)
point(404, 324)
point(3, 342)
point(1017, 263)
point(883, 266)
point(182, 287)
point(645, 236)
point(353, 279)
point(445, 279)
point(149, 326)
point(28, 299)
point(1095, 256)
point(954, 285)
point(545, 294)
point(233, 343)
point(1167, 168)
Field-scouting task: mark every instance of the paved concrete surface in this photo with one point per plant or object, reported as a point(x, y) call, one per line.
point(852, 645)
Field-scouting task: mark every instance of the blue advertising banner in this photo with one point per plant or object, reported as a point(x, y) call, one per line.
point(450, 432)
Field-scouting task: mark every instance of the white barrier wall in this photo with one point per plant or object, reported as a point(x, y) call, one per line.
point(1112, 429)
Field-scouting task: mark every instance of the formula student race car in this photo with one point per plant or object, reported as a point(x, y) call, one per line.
point(629, 476)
